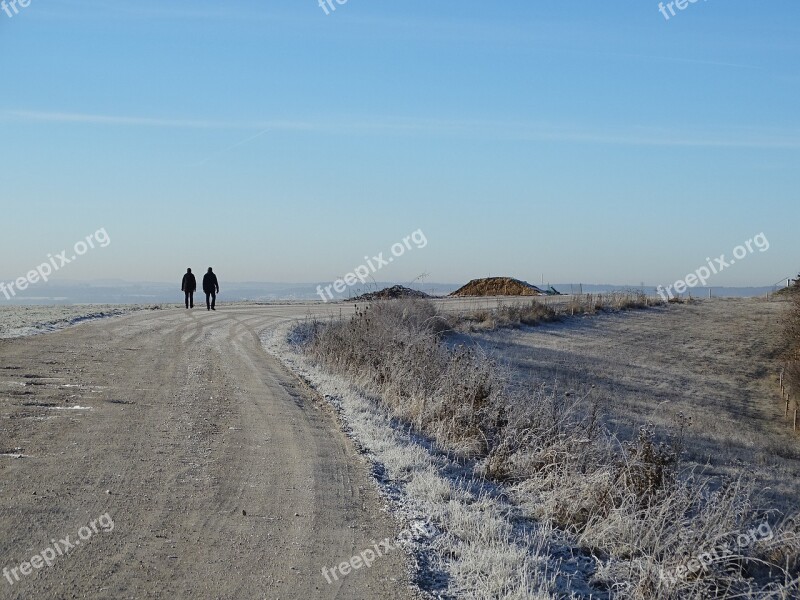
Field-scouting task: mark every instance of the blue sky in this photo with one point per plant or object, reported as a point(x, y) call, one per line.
point(583, 141)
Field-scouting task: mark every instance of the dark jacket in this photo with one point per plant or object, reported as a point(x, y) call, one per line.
point(189, 283)
point(210, 285)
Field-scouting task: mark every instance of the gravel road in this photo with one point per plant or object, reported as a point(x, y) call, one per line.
point(175, 424)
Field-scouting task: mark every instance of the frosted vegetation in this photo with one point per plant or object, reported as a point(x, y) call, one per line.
point(572, 508)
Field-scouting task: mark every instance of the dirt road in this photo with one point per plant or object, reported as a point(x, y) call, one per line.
point(174, 424)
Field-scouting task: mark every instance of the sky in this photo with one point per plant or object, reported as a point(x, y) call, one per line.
point(594, 142)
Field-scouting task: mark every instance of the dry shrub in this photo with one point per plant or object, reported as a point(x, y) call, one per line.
point(394, 349)
point(625, 503)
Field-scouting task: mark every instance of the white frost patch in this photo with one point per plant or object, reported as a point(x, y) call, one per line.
point(13, 453)
point(21, 321)
point(482, 549)
point(70, 408)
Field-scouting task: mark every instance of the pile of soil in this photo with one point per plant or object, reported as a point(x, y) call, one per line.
point(497, 286)
point(391, 293)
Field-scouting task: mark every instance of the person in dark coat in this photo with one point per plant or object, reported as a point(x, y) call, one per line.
point(188, 287)
point(211, 288)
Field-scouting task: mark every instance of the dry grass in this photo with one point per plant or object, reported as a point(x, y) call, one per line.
point(626, 504)
point(537, 312)
point(681, 300)
point(793, 343)
point(533, 313)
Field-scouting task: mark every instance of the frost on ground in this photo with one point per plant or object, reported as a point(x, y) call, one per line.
point(481, 547)
point(531, 496)
point(21, 321)
point(713, 363)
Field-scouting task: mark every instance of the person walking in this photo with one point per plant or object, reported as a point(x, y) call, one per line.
point(211, 288)
point(189, 287)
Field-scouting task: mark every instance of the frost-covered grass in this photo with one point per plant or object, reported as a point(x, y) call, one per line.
point(536, 312)
point(550, 485)
point(793, 342)
point(482, 548)
point(20, 321)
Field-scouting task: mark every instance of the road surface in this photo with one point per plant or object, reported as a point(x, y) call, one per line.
point(198, 467)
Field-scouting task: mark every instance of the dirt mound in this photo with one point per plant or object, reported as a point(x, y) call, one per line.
point(498, 286)
point(390, 293)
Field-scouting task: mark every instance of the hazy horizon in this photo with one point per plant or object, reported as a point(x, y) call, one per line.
point(116, 292)
point(281, 143)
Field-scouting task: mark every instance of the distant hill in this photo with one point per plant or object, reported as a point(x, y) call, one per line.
point(497, 286)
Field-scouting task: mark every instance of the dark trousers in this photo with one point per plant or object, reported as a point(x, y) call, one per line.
point(189, 299)
point(211, 300)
